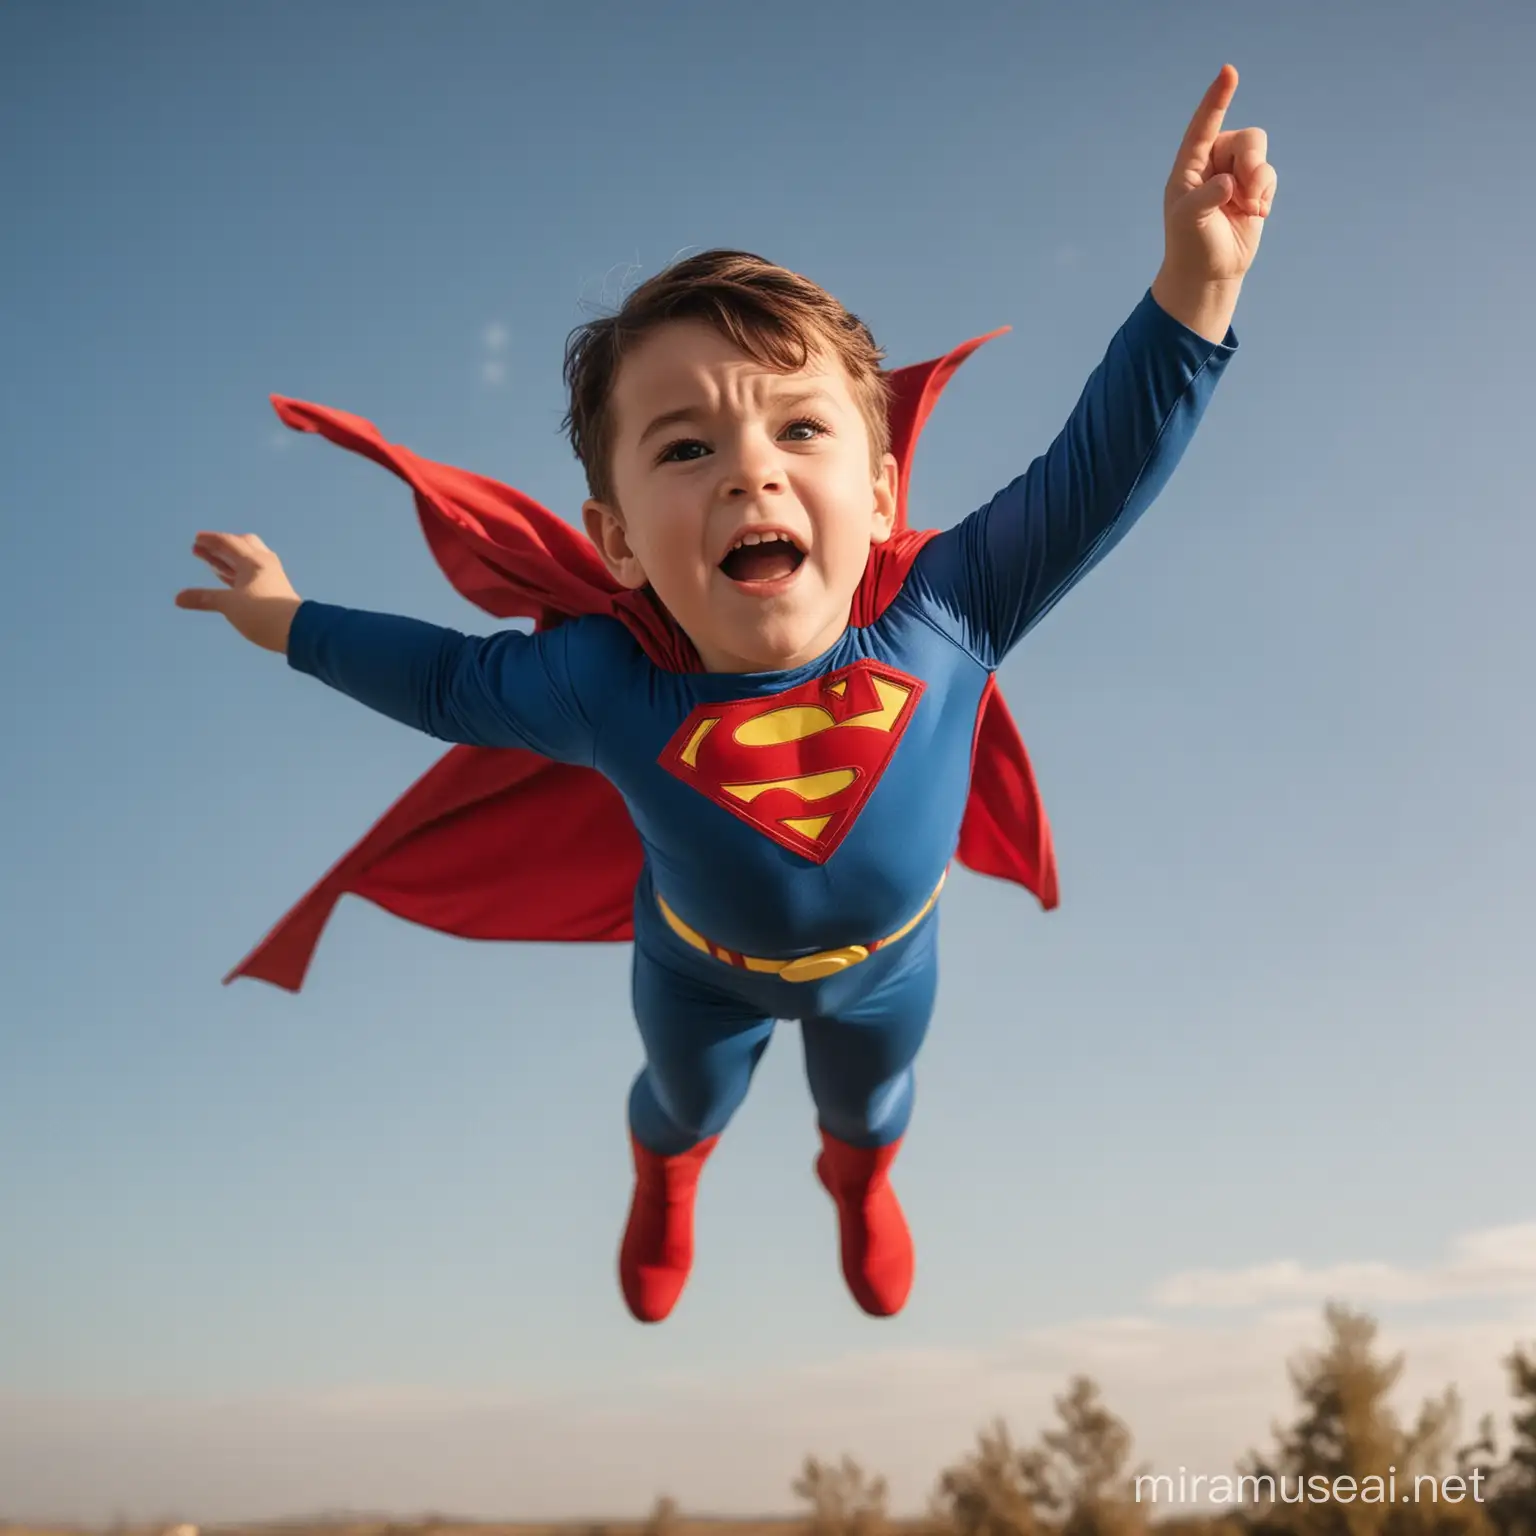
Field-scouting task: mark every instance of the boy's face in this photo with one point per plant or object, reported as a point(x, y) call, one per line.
point(710, 447)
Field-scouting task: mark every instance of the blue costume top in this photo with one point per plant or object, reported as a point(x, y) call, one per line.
point(750, 866)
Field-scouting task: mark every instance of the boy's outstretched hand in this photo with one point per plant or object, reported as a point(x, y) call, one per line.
point(259, 601)
point(1214, 208)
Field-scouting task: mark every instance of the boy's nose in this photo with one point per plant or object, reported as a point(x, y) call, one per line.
point(756, 485)
point(756, 470)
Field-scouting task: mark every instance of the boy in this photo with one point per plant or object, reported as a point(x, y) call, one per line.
point(799, 791)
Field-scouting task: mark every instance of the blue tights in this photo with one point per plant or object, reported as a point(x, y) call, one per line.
point(705, 1028)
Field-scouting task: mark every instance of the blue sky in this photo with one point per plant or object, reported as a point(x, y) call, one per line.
point(1279, 1029)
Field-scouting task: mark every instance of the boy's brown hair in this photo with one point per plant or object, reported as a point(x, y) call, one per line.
point(775, 316)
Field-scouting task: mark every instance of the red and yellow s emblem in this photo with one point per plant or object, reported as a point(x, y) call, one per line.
point(798, 766)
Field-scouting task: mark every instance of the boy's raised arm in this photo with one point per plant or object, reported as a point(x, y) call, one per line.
point(1012, 560)
point(505, 690)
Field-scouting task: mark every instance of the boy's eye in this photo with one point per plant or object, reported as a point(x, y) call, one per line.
point(818, 428)
point(679, 452)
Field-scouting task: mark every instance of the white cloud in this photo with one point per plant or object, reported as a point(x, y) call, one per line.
point(1197, 1391)
point(1497, 1262)
point(493, 369)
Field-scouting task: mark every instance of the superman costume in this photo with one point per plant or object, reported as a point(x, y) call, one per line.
point(773, 843)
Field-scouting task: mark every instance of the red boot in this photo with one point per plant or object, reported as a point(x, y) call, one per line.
point(657, 1252)
point(876, 1246)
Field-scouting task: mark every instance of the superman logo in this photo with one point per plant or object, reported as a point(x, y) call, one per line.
point(801, 765)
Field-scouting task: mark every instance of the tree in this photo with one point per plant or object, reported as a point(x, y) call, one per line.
point(844, 1501)
point(1513, 1507)
point(1076, 1482)
point(664, 1518)
point(1347, 1467)
point(1084, 1481)
point(992, 1492)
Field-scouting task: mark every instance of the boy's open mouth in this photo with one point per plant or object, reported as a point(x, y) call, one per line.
point(762, 557)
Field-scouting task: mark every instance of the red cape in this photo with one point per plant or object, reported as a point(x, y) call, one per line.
point(505, 844)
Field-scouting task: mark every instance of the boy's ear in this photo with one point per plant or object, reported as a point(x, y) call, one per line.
point(885, 500)
point(606, 529)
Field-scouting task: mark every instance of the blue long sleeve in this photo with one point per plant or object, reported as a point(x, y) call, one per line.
point(996, 574)
point(505, 690)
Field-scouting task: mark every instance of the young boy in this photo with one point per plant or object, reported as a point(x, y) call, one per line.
point(799, 794)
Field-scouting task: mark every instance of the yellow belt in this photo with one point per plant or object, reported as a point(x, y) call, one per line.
point(826, 962)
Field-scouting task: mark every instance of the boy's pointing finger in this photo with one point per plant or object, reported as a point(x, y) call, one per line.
point(1205, 125)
